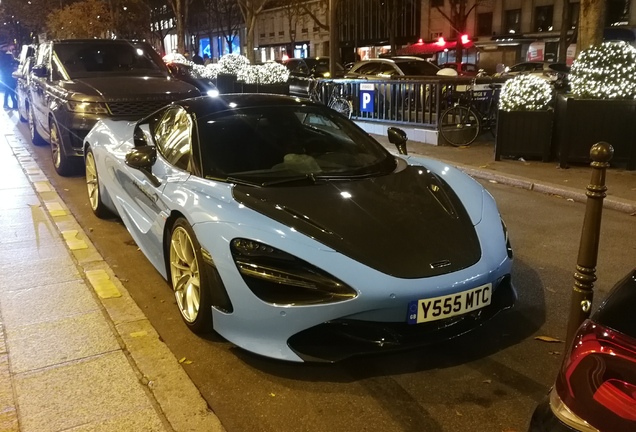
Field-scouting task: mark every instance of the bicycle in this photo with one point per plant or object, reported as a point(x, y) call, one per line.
point(335, 101)
point(461, 123)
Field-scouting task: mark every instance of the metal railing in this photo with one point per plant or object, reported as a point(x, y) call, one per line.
point(410, 100)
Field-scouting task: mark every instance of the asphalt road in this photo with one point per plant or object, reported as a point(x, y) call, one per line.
point(487, 381)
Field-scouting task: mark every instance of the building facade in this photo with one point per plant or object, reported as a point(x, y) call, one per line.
point(499, 31)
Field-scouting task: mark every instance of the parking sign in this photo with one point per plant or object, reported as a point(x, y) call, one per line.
point(367, 97)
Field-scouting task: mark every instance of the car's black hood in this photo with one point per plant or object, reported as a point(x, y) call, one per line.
point(408, 224)
point(131, 87)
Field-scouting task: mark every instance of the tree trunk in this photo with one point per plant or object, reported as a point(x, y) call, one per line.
point(591, 23)
point(563, 36)
point(249, 46)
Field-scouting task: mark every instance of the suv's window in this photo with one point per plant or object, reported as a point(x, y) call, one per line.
point(387, 69)
point(172, 135)
point(416, 67)
point(84, 59)
point(367, 69)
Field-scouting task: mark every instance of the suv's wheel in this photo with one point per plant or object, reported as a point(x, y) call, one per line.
point(61, 162)
point(93, 186)
point(36, 138)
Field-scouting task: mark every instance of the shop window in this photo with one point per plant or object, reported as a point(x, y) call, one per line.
point(543, 18)
point(484, 23)
point(512, 21)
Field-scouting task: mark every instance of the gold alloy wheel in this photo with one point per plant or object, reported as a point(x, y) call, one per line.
point(91, 181)
point(184, 270)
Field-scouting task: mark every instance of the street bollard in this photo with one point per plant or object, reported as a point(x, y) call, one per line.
point(585, 275)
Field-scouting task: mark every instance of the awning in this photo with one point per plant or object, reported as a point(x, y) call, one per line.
point(426, 48)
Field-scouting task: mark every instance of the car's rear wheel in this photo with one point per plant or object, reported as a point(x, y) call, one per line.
point(36, 138)
point(61, 162)
point(188, 278)
point(93, 186)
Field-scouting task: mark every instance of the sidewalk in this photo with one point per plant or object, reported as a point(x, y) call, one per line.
point(76, 353)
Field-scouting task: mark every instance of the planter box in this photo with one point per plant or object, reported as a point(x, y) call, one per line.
point(282, 88)
point(526, 134)
point(581, 123)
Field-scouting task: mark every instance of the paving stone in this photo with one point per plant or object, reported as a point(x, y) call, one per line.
point(45, 303)
point(82, 393)
point(143, 420)
point(18, 198)
point(52, 271)
point(52, 342)
point(31, 251)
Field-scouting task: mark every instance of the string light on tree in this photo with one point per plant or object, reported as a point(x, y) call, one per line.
point(525, 93)
point(606, 71)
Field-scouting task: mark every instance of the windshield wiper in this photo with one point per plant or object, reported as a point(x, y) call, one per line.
point(310, 176)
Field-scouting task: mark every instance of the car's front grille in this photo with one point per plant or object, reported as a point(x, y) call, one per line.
point(137, 108)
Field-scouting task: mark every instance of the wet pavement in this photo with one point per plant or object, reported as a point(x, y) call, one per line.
point(76, 352)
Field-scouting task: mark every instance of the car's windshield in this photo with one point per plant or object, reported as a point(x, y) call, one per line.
point(86, 59)
point(415, 67)
point(274, 144)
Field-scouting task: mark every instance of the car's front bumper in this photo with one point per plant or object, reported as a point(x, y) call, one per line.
point(341, 338)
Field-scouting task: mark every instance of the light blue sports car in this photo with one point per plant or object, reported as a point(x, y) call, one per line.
point(292, 233)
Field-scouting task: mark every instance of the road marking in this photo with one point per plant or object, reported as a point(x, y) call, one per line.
point(103, 286)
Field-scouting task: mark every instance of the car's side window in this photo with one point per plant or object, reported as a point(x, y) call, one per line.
point(387, 69)
point(368, 69)
point(172, 135)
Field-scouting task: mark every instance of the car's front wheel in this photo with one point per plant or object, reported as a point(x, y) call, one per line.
point(92, 186)
point(188, 278)
point(61, 162)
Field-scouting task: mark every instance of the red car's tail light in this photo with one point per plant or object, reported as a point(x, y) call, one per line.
point(597, 381)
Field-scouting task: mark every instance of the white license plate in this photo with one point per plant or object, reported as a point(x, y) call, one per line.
point(436, 308)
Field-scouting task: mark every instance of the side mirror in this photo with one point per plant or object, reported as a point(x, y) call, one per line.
point(142, 158)
point(141, 135)
point(40, 71)
point(398, 137)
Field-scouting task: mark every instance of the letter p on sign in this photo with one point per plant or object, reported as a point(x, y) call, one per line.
point(367, 98)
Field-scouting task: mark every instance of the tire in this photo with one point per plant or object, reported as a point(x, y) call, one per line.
point(342, 105)
point(36, 138)
point(188, 279)
point(93, 187)
point(459, 125)
point(63, 165)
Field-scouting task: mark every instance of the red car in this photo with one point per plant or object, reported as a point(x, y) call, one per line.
point(595, 390)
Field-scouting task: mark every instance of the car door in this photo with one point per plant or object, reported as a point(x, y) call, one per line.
point(143, 201)
point(38, 87)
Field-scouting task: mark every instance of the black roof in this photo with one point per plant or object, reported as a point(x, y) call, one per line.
point(205, 105)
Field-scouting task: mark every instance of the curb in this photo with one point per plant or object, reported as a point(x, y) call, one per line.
point(166, 383)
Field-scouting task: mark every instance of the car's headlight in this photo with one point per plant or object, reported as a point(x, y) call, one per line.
point(279, 278)
point(508, 245)
point(88, 107)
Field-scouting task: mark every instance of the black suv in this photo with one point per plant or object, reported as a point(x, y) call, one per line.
point(76, 82)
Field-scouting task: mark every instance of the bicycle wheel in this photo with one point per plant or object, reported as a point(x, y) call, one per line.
point(459, 125)
point(342, 105)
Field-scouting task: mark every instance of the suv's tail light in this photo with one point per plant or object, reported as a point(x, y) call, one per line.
point(597, 381)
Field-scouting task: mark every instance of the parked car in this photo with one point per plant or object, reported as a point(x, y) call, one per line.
point(76, 82)
point(546, 70)
point(595, 389)
point(303, 70)
point(296, 235)
point(387, 68)
point(26, 58)
point(191, 74)
point(463, 69)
